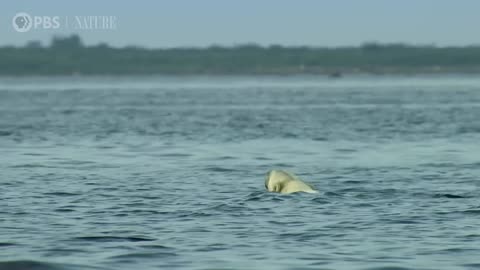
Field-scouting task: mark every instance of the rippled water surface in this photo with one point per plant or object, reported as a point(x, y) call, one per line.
point(168, 173)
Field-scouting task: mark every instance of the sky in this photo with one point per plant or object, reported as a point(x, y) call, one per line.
point(200, 23)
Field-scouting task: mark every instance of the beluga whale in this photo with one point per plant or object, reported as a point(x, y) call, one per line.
point(284, 182)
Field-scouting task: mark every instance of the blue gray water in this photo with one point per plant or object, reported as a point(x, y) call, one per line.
point(168, 172)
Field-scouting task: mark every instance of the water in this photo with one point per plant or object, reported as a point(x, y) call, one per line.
point(167, 172)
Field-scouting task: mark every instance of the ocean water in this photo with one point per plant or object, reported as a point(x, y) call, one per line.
point(168, 172)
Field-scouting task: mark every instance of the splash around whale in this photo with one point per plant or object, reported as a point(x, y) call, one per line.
point(284, 182)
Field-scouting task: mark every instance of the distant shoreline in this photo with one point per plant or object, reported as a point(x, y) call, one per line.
point(326, 75)
point(305, 76)
point(68, 56)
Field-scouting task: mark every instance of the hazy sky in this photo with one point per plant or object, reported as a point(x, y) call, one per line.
point(227, 22)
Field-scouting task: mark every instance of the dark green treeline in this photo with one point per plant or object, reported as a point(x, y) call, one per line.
point(67, 55)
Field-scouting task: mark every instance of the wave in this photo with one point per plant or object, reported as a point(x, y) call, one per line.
point(114, 238)
point(38, 265)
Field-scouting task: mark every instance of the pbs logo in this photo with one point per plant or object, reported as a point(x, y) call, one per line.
point(23, 22)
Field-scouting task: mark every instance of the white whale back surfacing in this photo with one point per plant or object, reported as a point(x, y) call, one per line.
point(284, 182)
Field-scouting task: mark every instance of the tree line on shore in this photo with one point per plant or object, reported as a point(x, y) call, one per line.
point(68, 55)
